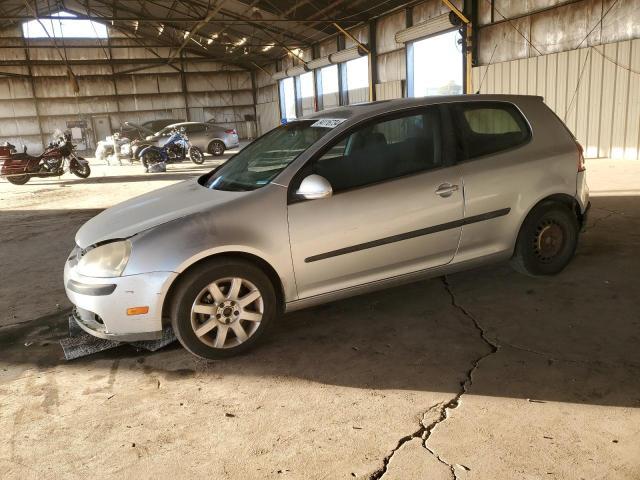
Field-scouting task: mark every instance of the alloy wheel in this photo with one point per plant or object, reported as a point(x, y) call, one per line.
point(227, 312)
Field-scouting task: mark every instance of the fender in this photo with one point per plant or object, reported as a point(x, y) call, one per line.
point(79, 161)
point(149, 148)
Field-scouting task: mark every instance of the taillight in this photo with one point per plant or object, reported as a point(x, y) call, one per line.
point(231, 132)
point(581, 166)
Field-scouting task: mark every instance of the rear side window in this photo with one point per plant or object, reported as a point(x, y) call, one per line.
point(489, 127)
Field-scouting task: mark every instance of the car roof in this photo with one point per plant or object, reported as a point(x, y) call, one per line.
point(384, 106)
point(180, 124)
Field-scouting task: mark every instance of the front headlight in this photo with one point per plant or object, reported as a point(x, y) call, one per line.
point(105, 261)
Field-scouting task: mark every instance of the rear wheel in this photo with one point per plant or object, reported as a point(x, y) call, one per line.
point(216, 148)
point(222, 308)
point(196, 155)
point(547, 240)
point(18, 179)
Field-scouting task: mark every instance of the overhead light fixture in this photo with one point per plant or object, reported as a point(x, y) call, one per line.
point(214, 36)
point(266, 48)
point(135, 25)
point(246, 51)
point(160, 29)
point(242, 41)
point(186, 34)
point(209, 41)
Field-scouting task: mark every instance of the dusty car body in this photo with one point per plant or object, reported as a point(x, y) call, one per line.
point(341, 203)
point(208, 137)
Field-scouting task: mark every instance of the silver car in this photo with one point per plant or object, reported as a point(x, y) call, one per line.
point(340, 203)
point(208, 137)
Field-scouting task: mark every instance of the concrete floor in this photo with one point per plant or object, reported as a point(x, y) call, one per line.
point(486, 374)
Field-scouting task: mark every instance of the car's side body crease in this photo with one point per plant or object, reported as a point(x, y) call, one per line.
point(413, 234)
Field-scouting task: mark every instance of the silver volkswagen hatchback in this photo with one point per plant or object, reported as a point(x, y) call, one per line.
point(337, 204)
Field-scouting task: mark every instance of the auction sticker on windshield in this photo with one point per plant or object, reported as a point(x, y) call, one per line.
point(328, 122)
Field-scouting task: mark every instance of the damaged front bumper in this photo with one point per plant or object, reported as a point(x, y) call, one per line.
point(101, 304)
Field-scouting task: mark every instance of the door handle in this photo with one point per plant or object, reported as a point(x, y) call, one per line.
point(446, 189)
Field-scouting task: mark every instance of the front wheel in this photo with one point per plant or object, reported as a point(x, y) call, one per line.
point(18, 179)
point(216, 148)
point(196, 155)
point(149, 158)
point(222, 308)
point(81, 168)
point(547, 240)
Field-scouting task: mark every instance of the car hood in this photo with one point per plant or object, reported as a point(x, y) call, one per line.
point(150, 210)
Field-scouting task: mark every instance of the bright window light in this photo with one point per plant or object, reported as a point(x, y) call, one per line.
point(358, 73)
point(288, 90)
point(306, 85)
point(66, 27)
point(437, 65)
point(329, 77)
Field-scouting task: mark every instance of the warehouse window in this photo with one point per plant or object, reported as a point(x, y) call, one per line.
point(329, 79)
point(66, 26)
point(328, 87)
point(358, 80)
point(306, 85)
point(306, 100)
point(288, 98)
point(435, 65)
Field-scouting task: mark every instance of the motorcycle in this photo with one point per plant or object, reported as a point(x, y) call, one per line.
point(7, 149)
point(18, 168)
point(176, 149)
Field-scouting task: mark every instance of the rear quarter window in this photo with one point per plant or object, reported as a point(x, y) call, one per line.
point(489, 127)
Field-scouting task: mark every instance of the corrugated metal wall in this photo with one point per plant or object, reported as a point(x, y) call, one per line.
point(213, 90)
point(595, 90)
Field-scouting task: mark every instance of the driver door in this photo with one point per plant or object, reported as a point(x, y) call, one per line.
point(396, 206)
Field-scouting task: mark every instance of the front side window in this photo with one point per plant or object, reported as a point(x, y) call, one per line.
point(382, 151)
point(261, 161)
point(195, 128)
point(490, 127)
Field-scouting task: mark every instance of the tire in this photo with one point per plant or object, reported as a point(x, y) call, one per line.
point(216, 148)
point(547, 240)
point(150, 157)
point(18, 179)
point(139, 148)
point(81, 170)
point(228, 317)
point(196, 155)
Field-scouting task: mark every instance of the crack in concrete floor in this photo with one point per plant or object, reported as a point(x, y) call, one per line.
point(425, 431)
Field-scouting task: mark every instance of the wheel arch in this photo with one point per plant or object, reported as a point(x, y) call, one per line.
point(215, 139)
point(560, 198)
point(261, 263)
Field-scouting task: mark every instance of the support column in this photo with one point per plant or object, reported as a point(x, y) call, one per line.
point(184, 88)
point(35, 98)
point(373, 61)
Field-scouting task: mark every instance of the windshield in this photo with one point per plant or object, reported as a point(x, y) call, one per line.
point(259, 163)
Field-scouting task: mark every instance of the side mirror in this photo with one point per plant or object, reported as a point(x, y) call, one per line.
point(314, 187)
